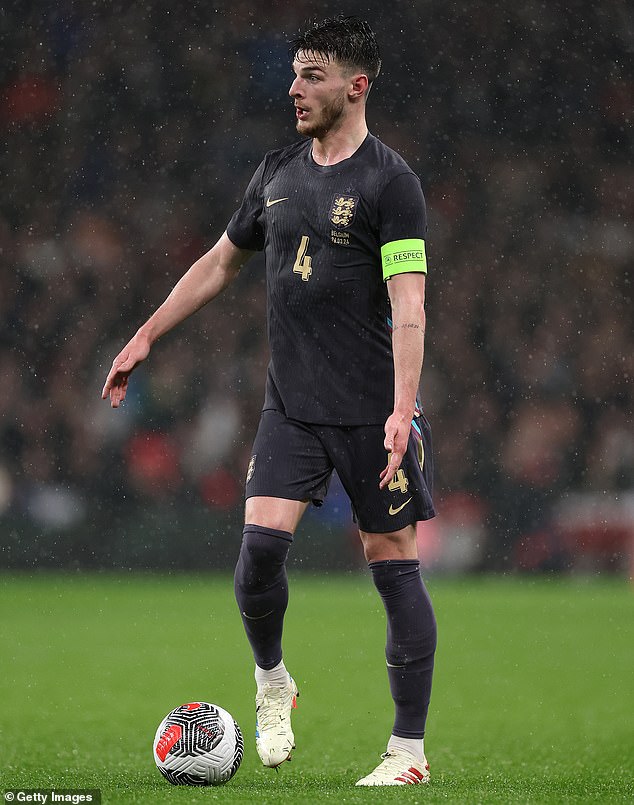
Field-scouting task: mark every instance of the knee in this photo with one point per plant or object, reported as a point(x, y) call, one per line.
point(248, 576)
point(262, 557)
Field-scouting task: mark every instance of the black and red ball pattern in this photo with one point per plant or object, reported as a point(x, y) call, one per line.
point(198, 744)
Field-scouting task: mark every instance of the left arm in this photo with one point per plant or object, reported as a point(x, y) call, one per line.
point(407, 296)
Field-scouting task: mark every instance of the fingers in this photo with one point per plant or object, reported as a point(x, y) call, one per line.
point(116, 383)
point(116, 389)
point(396, 444)
point(391, 433)
point(118, 392)
point(106, 388)
point(393, 463)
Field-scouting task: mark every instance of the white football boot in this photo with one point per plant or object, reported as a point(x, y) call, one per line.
point(398, 768)
point(274, 737)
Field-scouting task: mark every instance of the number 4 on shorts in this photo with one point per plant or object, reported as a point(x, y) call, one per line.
point(399, 482)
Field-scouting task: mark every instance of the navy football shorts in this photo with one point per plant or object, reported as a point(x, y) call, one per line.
point(295, 461)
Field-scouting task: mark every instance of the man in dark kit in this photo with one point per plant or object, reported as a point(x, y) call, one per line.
point(341, 220)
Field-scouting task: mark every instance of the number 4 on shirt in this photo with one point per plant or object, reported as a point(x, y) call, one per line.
point(303, 262)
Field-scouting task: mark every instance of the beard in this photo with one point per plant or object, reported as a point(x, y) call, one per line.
point(326, 121)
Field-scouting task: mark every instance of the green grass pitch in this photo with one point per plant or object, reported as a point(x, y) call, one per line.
point(533, 697)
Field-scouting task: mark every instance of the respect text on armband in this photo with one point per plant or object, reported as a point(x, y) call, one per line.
point(398, 257)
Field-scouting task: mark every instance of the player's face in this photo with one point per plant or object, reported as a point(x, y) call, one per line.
point(319, 92)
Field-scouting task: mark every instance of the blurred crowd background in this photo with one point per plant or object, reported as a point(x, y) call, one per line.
point(129, 134)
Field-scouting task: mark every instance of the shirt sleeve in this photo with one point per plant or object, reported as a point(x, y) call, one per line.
point(245, 227)
point(402, 211)
point(402, 226)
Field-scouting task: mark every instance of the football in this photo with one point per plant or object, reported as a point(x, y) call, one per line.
point(198, 744)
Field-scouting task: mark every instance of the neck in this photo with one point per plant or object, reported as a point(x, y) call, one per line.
point(339, 144)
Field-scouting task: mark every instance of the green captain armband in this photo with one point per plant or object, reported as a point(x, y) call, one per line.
point(403, 256)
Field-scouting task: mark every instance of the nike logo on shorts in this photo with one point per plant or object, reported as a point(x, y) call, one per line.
point(271, 201)
point(396, 510)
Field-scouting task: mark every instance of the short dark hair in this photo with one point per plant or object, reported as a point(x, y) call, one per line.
point(348, 40)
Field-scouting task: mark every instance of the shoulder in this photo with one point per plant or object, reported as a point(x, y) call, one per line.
point(386, 159)
point(273, 160)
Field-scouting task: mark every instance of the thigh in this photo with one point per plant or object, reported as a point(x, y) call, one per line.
point(278, 513)
point(359, 456)
point(392, 545)
point(288, 461)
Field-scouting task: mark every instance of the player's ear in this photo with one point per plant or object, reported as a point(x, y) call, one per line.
point(358, 86)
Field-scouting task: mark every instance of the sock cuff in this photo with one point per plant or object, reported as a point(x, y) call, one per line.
point(251, 528)
point(386, 563)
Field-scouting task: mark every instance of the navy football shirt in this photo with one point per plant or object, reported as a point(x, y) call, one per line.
point(321, 229)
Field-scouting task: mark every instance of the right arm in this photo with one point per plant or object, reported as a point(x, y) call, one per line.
point(206, 278)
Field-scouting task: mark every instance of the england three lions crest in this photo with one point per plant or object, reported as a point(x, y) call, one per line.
point(343, 210)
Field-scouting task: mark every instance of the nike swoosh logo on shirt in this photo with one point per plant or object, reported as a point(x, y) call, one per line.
point(394, 511)
point(271, 201)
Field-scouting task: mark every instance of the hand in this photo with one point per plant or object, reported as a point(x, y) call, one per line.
point(116, 385)
point(397, 428)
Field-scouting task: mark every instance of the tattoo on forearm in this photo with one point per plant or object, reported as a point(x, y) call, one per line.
point(409, 326)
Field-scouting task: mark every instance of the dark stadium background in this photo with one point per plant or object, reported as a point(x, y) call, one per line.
point(129, 133)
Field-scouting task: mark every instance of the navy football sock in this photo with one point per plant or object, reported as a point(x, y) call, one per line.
point(411, 642)
point(261, 590)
